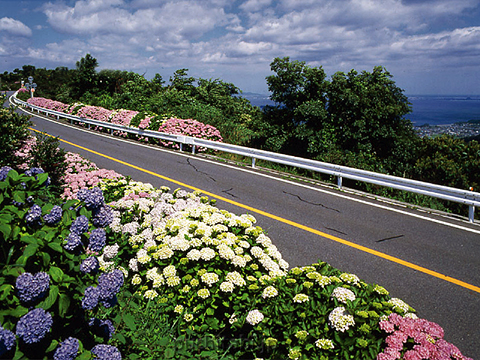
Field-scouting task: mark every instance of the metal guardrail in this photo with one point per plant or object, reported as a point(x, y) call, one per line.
point(466, 197)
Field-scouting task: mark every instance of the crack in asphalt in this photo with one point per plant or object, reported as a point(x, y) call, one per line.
point(227, 192)
point(311, 203)
point(390, 238)
point(338, 231)
point(201, 172)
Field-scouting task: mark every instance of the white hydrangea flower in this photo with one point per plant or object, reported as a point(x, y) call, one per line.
point(178, 309)
point(233, 319)
point(300, 298)
point(173, 281)
point(133, 264)
point(150, 294)
point(236, 278)
point(225, 252)
point(239, 261)
point(203, 293)
point(324, 344)
point(257, 252)
point(110, 251)
point(169, 271)
point(264, 240)
point(398, 305)
point(342, 294)
point(207, 254)
point(194, 255)
point(254, 317)
point(269, 292)
point(350, 278)
point(340, 320)
point(143, 257)
point(136, 279)
point(209, 278)
point(227, 286)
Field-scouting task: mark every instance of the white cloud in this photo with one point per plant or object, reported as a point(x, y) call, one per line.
point(14, 27)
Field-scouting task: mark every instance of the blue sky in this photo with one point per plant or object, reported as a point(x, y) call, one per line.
point(429, 46)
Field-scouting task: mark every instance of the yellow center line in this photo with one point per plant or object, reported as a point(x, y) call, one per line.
point(289, 222)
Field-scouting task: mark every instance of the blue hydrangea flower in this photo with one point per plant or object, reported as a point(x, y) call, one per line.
point(17, 203)
point(89, 265)
point(31, 288)
point(34, 171)
point(33, 215)
point(73, 241)
point(109, 303)
point(98, 238)
point(93, 199)
point(90, 299)
point(79, 225)
point(33, 326)
point(30, 200)
point(106, 352)
point(54, 216)
point(7, 340)
point(4, 172)
point(102, 216)
point(67, 350)
point(103, 328)
point(109, 284)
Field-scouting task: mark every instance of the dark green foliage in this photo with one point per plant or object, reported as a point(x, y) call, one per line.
point(51, 158)
point(13, 134)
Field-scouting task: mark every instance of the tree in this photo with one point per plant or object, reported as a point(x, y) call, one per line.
point(86, 77)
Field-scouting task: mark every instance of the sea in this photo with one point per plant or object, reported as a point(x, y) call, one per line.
point(426, 109)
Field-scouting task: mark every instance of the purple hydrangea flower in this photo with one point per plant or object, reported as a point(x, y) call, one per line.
point(90, 299)
point(103, 328)
point(89, 265)
point(93, 199)
point(33, 326)
point(73, 241)
point(80, 225)
point(106, 352)
point(4, 172)
point(33, 215)
point(30, 200)
point(109, 303)
point(109, 284)
point(7, 340)
point(102, 216)
point(32, 288)
point(54, 216)
point(98, 238)
point(67, 350)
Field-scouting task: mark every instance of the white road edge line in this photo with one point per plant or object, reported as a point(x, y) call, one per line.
point(271, 177)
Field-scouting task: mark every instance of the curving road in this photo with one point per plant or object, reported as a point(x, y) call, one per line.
point(429, 261)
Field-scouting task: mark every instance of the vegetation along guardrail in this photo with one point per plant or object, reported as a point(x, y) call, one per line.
point(466, 197)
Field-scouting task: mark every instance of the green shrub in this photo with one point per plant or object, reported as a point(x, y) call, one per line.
point(13, 134)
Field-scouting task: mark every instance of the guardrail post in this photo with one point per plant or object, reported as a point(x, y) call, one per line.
point(339, 182)
point(181, 146)
point(471, 213)
point(193, 149)
point(253, 163)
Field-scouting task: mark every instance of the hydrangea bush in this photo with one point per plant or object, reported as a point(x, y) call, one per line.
point(130, 118)
point(192, 281)
point(46, 275)
point(217, 274)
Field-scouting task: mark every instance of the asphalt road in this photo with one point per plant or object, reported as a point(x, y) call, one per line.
point(434, 264)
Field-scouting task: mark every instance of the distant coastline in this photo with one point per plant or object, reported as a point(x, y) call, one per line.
point(432, 115)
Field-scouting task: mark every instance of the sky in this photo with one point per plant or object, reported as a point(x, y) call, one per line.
point(429, 46)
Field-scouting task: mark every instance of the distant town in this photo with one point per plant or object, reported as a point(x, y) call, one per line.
point(464, 130)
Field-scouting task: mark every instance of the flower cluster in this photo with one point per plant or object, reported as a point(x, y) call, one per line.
point(426, 336)
point(54, 216)
point(7, 340)
point(340, 319)
point(33, 326)
point(342, 294)
point(67, 350)
point(34, 215)
point(32, 288)
point(109, 285)
point(254, 317)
